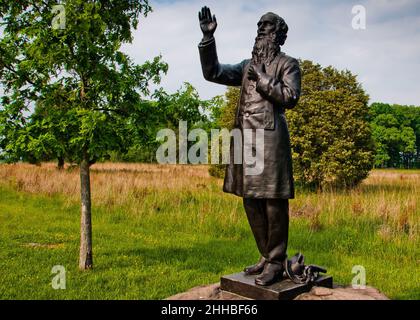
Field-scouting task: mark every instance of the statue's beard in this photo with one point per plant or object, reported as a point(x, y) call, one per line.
point(266, 48)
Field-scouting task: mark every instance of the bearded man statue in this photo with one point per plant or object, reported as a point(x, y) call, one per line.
point(270, 83)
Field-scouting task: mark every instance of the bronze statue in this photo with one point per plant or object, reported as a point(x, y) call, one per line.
point(270, 83)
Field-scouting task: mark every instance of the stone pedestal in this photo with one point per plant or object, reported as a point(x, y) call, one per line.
point(244, 286)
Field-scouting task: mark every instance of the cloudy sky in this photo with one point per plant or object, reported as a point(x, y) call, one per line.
point(385, 56)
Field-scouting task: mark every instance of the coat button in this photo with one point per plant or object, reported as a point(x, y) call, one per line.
point(246, 114)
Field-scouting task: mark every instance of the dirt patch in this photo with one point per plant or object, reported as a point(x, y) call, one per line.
point(213, 292)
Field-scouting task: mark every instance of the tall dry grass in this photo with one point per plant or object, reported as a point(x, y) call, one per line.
point(112, 183)
point(389, 197)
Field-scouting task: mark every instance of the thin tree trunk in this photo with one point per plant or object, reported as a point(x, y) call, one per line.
point(60, 164)
point(86, 258)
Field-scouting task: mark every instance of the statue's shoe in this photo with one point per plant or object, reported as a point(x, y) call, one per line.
point(271, 274)
point(256, 268)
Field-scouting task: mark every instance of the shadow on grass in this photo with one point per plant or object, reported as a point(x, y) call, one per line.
point(212, 256)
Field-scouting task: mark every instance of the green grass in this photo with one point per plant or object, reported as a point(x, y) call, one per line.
point(176, 247)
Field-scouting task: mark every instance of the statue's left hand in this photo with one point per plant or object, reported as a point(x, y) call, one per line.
point(256, 71)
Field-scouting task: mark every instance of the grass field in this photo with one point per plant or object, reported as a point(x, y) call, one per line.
point(161, 230)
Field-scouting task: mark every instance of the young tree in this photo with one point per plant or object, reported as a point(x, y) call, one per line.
point(66, 62)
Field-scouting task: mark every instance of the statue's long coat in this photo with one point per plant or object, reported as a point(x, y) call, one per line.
point(261, 106)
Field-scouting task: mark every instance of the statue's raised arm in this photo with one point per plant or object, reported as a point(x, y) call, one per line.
point(226, 74)
point(208, 23)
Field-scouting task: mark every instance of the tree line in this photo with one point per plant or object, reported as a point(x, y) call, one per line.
point(332, 120)
point(396, 132)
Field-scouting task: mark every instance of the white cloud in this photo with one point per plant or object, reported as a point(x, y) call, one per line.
point(384, 56)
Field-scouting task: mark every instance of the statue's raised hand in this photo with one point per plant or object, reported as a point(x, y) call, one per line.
point(208, 23)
